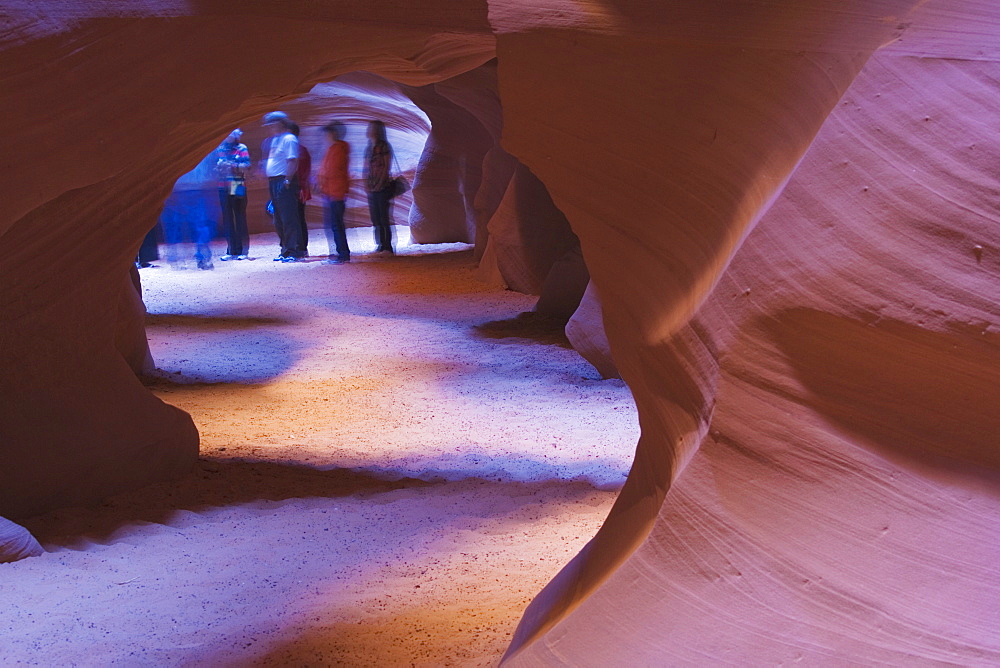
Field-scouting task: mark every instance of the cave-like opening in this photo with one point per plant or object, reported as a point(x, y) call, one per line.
point(373, 465)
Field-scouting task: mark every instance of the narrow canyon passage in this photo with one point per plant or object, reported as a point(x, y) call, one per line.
point(380, 483)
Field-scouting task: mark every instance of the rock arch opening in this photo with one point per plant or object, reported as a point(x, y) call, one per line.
point(742, 225)
point(463, 181)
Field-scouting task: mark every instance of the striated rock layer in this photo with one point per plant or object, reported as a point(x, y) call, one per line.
point(844, 505)
point(16, 543)
point(817, 392)
point(840, 379)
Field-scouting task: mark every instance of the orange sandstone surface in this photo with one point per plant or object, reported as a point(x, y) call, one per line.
point(379, 483)
point(786, 212)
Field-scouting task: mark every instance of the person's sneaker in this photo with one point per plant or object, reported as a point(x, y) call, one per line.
point(205, 265)
point(242, 257)
point(290, 259)
point(335, 260)
point(280, 258)
point(226, 258)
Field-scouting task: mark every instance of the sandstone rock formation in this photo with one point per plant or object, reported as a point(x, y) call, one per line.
point(684, 377)
point(843, 503)
point(160, 90)
point(450, 170)
point(16, 543)
point(585, 330)
point(527, 234)
point(817, 392)
point(467, 188)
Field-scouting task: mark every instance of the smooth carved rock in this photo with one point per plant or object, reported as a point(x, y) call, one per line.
point(17, 543)
point(450, 171)
point(476, 92)
point(498, 170)
point(853, 449)
point(817, 393)
point(527, 234)
point(131, 336)
point(800, 377)
point(564, 286)
point(585, 331)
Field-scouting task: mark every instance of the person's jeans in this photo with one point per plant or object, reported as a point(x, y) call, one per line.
point(234, 222)
point(186, 218)
point(378, 207)
point(336, 233)
point(286, 216)
point(303, 226)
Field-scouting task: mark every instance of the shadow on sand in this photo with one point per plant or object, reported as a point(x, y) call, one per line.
point(220, 483)
point(212, 484)
point(528, 325)
point(216, 322)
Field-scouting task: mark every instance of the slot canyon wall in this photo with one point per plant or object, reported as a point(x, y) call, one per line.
point(843, 504)
point(815, 366)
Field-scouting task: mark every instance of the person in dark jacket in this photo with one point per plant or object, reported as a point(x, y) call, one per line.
point(378, 159)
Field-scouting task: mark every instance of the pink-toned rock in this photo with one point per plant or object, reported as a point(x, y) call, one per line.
point(819, 401)
point(585, 330)
point(17, 543)
point(830, 395)
point(477, 92)
point(450, 171)
point(564, 286)
point(498, 170)
point(527, 234)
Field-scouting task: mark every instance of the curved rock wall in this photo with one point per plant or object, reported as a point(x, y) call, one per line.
point(450, 170)
point(844, 504)
point(721, 546)
point(527, 234)
point(585, 331)
point(467, 188)
point(837, 370)
point(16, 543)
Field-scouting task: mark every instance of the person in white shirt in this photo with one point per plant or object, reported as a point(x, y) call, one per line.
point(281, 168)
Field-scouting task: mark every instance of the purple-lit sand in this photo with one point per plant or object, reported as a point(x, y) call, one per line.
point(380, 484)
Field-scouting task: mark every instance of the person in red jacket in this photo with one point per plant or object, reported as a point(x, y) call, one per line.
point(333, 181)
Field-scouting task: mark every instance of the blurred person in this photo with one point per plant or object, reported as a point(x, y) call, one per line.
point(305, 191)
point(333, 182)
point(189, 215)
point(265, 150)
point(281, 169)
point(378, 158)
point(232, 164)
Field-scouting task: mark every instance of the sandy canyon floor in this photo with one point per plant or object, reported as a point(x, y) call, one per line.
point(382, 482)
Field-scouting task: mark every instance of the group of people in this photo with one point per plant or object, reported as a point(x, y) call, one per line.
point(287, 165)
